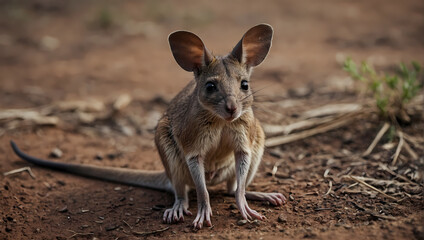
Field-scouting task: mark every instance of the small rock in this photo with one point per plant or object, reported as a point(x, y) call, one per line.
point(98, 157)
point(49, 43)
point(242, 222)
point(233, 206)
point(256, 222)
point(112, 156)
point(282, 218)
point(347, 226)
point(112, 227)
point(61, 183)
point(56, 153)
point(64, 209)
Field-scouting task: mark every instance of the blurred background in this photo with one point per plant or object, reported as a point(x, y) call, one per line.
point(59, 50)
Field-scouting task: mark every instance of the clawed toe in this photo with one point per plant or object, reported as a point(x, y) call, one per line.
point(176, 213)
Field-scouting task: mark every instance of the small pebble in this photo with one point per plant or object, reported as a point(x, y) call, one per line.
point(233, 206)
point(64, 209)
point(242, 222)
point(112, 227)
point(98, 157)
point(56, 153)
point(61, 183)
point(282, 218)
point(256, 222)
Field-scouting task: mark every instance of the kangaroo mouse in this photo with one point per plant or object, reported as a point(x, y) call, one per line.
point(207, 136)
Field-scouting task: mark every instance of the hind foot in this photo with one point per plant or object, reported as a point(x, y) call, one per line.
point(276, 199)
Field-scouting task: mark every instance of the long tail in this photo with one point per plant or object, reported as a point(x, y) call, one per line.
point(150, 179)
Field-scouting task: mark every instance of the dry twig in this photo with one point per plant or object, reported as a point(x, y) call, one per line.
point(331, 186)
point(340, 122)
point(377, 139)
point(28, 169)
point(399, 148)
point(371, 187)
point(149, 233)
point(387, 169)
point(76, 234)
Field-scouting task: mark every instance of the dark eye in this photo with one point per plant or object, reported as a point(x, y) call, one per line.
point(244, 85)
point(210, 87)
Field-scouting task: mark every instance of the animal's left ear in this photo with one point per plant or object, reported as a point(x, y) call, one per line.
point(254, 45)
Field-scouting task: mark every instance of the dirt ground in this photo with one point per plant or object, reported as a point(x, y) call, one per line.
point(61, 51)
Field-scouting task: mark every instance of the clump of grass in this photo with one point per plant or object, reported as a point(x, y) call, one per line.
point(391, 92)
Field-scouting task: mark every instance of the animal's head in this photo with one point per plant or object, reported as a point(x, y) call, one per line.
point(223, 83)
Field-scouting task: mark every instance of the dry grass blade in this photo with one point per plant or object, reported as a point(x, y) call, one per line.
point(340, 122)
point(332, 109)
point(150, 233)
point(416, 141)
point(76, 234)
point(399, 147)
point(330, 184)
point(28, 114)
point(28, 169)
point(387, 169)
point(380, 216)
point(90, 105)
point(371, 187)
point(377, 138)
point(410, 151)
point(277, 129)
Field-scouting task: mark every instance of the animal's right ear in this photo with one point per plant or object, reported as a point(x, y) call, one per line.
point(189, 51)
point(254, 45)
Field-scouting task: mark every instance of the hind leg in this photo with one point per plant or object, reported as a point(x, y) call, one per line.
point(256, 156)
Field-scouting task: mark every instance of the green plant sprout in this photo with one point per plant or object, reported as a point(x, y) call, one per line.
point(391, 92)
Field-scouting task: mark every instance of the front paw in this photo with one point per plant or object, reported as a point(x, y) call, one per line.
point(246, 212)
point(204, 214)
point(176, 213)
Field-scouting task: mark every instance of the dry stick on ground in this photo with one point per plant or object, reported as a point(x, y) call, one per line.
point(410, 151)
point(377, 139)
point(149, 233)
point(28, 169)
point(342, 121)
point(329, 190)
point(76, 234)
point(385, 168)
point(399, 148)
point(372, 187)
point(308, 123)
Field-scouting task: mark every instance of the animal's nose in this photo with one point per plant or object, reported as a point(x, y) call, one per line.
point(231, 106)
point(230, 109)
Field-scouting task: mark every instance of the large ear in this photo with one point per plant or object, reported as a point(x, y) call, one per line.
point(189, 51)
point(254, 45)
